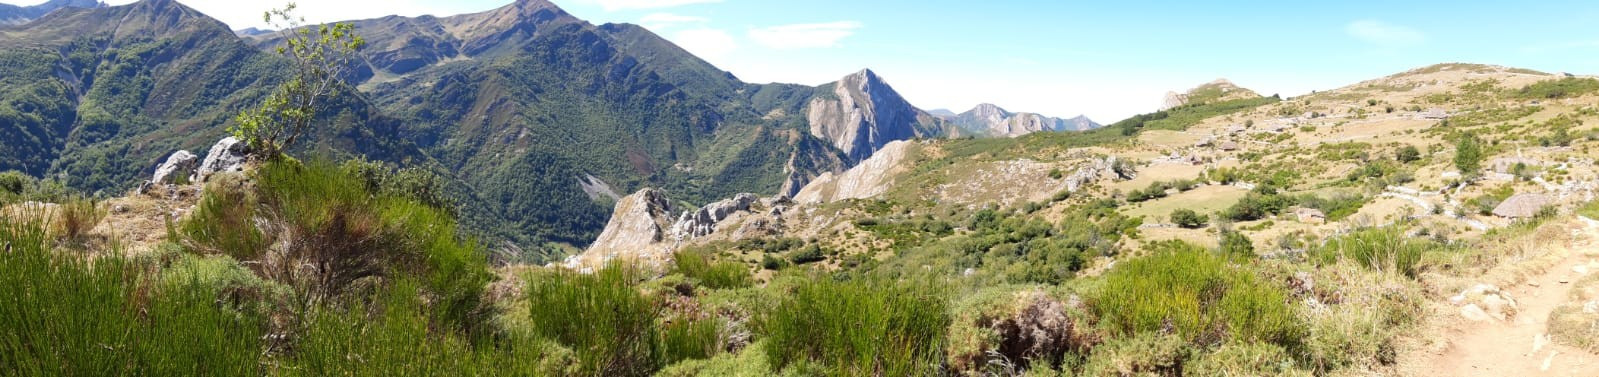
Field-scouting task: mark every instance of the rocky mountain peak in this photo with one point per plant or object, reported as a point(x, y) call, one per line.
point(862, 113)
point(989, 109)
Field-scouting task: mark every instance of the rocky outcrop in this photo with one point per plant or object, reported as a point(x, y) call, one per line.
point(1483, 302)
point(868, 179)
point(1098, 169)
point(861, 114)
point(637, 228)
point(991, 120)
point(180, 164)
point(229, 154)
point(642, 229)
point(703, 222)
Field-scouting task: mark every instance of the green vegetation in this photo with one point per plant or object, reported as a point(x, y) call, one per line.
point(858, 328)
point(1182, 117)
point(700, 266)
point(1187, 218)
point(320, 57)
point(1469, 154)
point(1198, 296)
point(1381, 249)
point(1408, 154)
point(1561, 88)
point(613, 329)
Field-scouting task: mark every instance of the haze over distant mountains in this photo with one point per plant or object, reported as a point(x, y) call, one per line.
point(990, 120)
point(17, 15)
point(522, 106)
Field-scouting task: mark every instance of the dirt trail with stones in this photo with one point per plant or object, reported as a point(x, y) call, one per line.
point(1520, 345)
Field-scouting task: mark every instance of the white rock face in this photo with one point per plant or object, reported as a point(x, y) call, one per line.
point(179, 164)
point(868, 179)
point(863, 115)
point(229, 154)
point(703, 222)
point(1095, 171)
point(642, 231)
point(638, 224)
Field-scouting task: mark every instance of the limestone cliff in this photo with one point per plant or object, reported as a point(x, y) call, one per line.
point(861, 113)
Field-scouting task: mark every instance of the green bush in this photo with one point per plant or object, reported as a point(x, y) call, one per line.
point(712, 274)
point(600, 316)
point(1188, 219)
point(317, 214)
point(62, 314)
point(390, 334)
point(1196, 294)
point(1235, 244)
point(1257, 204)
point(859, 327)
point(1383, 249)
point(808, 254)
point(612, 327)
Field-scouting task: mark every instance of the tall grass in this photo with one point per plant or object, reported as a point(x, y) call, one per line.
point(391, 336)
point(1196, 294)
point(1384, 249)
point(76, 216)
point(614, 329)
point(712, 274)
point(859, 328)
point(60, 314)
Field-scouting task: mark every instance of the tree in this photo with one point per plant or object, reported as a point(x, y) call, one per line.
point(320, 56)
point(1408, 154)
point(1187, 219)
point(1468, 155)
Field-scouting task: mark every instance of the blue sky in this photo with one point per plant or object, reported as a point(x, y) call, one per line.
point(1106, 59)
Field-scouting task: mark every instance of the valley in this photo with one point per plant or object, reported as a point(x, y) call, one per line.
point(519, 191)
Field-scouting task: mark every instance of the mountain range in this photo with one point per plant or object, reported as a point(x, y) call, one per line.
point(17, 15)
point(522, 106)
point(991, 120)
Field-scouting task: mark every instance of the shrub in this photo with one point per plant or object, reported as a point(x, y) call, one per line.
point(1188, 219)
point(600, 316)
point(1235, 244)
point(859, 327)
point(809, 254)
point(77, 216)
point(318, 215)
point(712, 274)
point(389, 334)
point(61, 314)
point(1382, 249)
point(1257, 205)
point(1196, 295)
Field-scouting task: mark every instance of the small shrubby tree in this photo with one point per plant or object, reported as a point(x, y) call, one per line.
point(320, 56)
point(1187, 218)
point(1468, 155)
point(1408, 154)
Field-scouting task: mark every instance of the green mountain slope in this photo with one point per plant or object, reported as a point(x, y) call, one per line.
point(99, 96)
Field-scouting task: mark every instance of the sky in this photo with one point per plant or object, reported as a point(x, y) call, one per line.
point(1106, 59)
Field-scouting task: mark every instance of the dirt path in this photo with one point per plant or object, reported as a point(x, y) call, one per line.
point(1521, 346)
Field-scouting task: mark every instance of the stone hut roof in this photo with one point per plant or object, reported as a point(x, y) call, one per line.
point(1522, 206)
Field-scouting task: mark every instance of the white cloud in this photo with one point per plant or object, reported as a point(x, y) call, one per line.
point(804, 35)
point(710, 44)
point(661, 21)
point(616, 5)
point(1384, 34)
